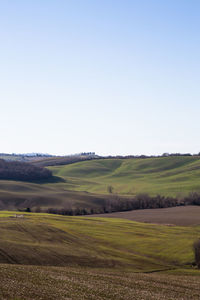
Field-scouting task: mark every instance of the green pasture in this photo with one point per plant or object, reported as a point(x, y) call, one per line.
point(85, 184)
point(43, 239)
point(173, 176)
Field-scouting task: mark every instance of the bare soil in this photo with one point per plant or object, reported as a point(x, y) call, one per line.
point(181, 216)
point(53, 283)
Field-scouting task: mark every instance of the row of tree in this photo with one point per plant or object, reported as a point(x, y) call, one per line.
point(115, 203)
point(166, 154)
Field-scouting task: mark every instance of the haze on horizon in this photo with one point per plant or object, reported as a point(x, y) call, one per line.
point(114, 77)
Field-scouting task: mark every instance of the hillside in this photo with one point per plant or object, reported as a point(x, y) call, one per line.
point(62, 160)
point(172, 176)
point(42, 239)
point(55, 257)
point(21, 171)
point(87, 184)
point(50, 283)
point(54, 194)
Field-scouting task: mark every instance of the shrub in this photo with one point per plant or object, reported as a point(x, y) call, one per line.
point(196, 248)
point(110, 189)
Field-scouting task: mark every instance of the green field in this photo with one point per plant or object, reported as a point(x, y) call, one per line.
point(85, 184)
point(60, 257)
point(44, 239)
point(172, 176)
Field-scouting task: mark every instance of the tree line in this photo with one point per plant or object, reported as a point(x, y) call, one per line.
point(115, 203)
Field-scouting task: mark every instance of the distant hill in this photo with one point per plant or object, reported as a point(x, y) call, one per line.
point(63, 160)
point(169, 176)
point(43, 160)
point(95, 185)
point(25, 157)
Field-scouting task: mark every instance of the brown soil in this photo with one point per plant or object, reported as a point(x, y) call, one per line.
point(182, 215)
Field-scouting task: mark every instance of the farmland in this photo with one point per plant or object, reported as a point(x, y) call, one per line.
point(181, 216)
point(42, 239)
point(171, 176)
point(87, 184)
point(57, 257)
point(51, 283)
point(141, 254)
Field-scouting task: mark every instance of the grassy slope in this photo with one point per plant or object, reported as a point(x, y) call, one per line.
point(98, 259)
point(166, 176)
point(17, 194)
point(44, 239)
point(84, 184)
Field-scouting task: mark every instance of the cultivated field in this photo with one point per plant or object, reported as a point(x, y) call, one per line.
point(86, 184)
point(45, 256)
point(181, 215)
point(173, 176)
point(50, 257)
point(60, 257)
point(42, 239)
point(18, 194)
point(53, 283)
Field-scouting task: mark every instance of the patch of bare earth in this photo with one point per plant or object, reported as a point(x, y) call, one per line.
point(181, 215)
point(48, 283)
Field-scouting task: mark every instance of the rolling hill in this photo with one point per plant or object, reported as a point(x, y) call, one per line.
point(42, 239)
point(86, 184)
point(45, 256)
point(57, 257)
point(169, 176)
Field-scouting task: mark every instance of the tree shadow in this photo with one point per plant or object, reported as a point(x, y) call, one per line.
point(53, 179)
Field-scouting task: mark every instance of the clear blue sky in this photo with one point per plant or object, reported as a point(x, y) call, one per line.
point(115, 77)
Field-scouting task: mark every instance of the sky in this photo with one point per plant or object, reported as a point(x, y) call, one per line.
point(109, 76)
